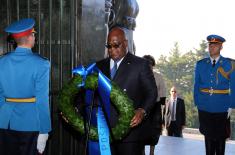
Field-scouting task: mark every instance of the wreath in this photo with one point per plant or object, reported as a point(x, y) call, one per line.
point(121, 102)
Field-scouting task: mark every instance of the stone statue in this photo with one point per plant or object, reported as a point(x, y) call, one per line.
point(122, 13)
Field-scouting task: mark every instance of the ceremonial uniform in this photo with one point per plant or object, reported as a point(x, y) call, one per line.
point(24, 91)
point(24, 94)
point(214, 93)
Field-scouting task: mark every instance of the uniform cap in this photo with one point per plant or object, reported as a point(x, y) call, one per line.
point(21, 28)
point(215, 39)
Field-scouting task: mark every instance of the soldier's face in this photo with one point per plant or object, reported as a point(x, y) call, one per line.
point(116, 45)
point(214, 49)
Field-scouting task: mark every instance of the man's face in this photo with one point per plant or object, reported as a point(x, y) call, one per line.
point(214, 49)
point(116, 45)
point(173, 92)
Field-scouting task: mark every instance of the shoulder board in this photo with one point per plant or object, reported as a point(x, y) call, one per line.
point(41, 56)
point(230, 59)
point(3, 54)
point(204, 60)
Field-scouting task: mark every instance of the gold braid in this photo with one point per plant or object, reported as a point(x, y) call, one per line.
point(225, 74)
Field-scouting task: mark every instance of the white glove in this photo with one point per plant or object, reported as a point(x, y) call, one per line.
point(229, 112)
point(41, 143)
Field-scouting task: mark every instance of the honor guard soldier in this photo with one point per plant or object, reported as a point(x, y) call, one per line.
point(214, 96)
point(24, 95)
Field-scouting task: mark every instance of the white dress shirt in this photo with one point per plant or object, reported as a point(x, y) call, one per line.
point(112, 63)
point(216, 59)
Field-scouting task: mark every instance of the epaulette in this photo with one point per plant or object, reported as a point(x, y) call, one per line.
point(3, 54)
point(200, 60)
point(230, 59)
point(204, 60)
point(45, 58)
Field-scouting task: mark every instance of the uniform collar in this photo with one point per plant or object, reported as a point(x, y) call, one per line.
point(216, 59)
point(23, 50)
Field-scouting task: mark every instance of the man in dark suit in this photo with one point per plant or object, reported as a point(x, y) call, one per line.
point(134, 76)
point(174, 114)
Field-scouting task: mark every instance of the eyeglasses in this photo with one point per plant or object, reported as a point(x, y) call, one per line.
point(173, 91)
point(115, 45)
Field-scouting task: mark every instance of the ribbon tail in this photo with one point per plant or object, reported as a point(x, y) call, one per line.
point(104, 89)
point(103, 131)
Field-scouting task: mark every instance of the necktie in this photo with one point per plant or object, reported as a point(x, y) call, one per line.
point(213, 65)
point(113, 70)
point(173, 111)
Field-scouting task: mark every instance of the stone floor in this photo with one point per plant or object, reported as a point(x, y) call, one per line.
point(185, 146)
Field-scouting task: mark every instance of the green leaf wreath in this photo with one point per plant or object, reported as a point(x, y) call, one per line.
point(119, 98)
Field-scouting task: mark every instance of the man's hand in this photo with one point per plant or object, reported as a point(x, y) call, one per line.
point(41, 143)
point(138, 117)
point(229, 112)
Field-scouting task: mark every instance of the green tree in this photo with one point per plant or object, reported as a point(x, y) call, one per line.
point(201, 52)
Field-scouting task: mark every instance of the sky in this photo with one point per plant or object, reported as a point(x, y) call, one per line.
point(161, 23)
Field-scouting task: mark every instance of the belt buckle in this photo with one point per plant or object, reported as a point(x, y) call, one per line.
point(211, 91)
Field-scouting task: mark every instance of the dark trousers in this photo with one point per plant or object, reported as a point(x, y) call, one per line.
point(214, 125)
point(174, 130)
point(127, 148)
point(18, 143)
point(214, 146)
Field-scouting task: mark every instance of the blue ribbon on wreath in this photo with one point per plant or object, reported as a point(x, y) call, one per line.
point(104, 89)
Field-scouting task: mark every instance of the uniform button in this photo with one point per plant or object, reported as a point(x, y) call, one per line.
point(211, 81)
point(124, 90)
point(211, 74)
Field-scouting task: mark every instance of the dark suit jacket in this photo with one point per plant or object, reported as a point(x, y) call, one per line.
point(135, 77)
point(180, 113)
